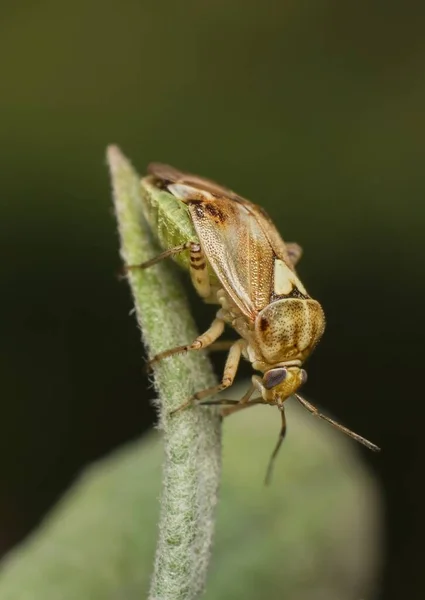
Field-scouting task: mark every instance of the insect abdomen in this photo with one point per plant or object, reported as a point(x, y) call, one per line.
point(168, 218)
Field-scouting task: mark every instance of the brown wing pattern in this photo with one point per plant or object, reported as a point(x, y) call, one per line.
point(270, 231)
point(238, 237)
point(237, 250)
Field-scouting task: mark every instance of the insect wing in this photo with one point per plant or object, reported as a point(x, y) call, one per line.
point(239, 239)
point(238, 250)
point(166, 174)
point(270, 231)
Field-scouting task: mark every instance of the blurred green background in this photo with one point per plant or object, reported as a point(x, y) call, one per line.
point(314, 110)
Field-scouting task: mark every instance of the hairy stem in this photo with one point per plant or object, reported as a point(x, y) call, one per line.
point(192, 437)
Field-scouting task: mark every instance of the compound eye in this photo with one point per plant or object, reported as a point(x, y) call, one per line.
point(273, 377)
point(303, 376)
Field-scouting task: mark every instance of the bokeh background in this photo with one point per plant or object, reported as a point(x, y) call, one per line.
point(314, 110)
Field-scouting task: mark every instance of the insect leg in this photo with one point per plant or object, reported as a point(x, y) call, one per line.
point(221, 346)
point(277, 447)
point(294, 252)
point(225, 412)
point(204, 340)
point(198, 271)
point(243, 402)
point(162, 256)
point(235, 405)
point(229, 374)
point(313, 410)
point(231, 406)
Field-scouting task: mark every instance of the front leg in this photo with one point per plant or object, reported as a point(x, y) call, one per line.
point(244, 402)
point(229, 375)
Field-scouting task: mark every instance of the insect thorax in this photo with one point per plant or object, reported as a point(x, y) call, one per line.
point(289, 329)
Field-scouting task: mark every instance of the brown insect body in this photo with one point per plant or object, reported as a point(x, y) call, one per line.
point(262, 297)
point(240, 262)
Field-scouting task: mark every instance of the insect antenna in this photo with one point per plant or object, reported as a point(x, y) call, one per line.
point(280, 439)
point(313, 410)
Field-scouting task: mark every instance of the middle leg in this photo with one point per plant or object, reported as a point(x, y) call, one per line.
point(221, 346)
point(204, 340)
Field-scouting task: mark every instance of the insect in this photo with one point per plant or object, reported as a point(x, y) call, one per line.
point(237, 259)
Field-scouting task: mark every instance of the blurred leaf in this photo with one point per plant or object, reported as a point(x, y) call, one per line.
point(314, 533)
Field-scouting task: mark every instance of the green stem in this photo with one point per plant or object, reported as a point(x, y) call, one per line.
point(192, 438)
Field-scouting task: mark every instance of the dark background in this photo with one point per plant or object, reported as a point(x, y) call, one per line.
point(314, 110)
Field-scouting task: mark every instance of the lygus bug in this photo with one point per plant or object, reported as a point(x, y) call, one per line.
point(237, 259)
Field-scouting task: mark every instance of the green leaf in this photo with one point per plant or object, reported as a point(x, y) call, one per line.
point(191, 437)
point(314, 533)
